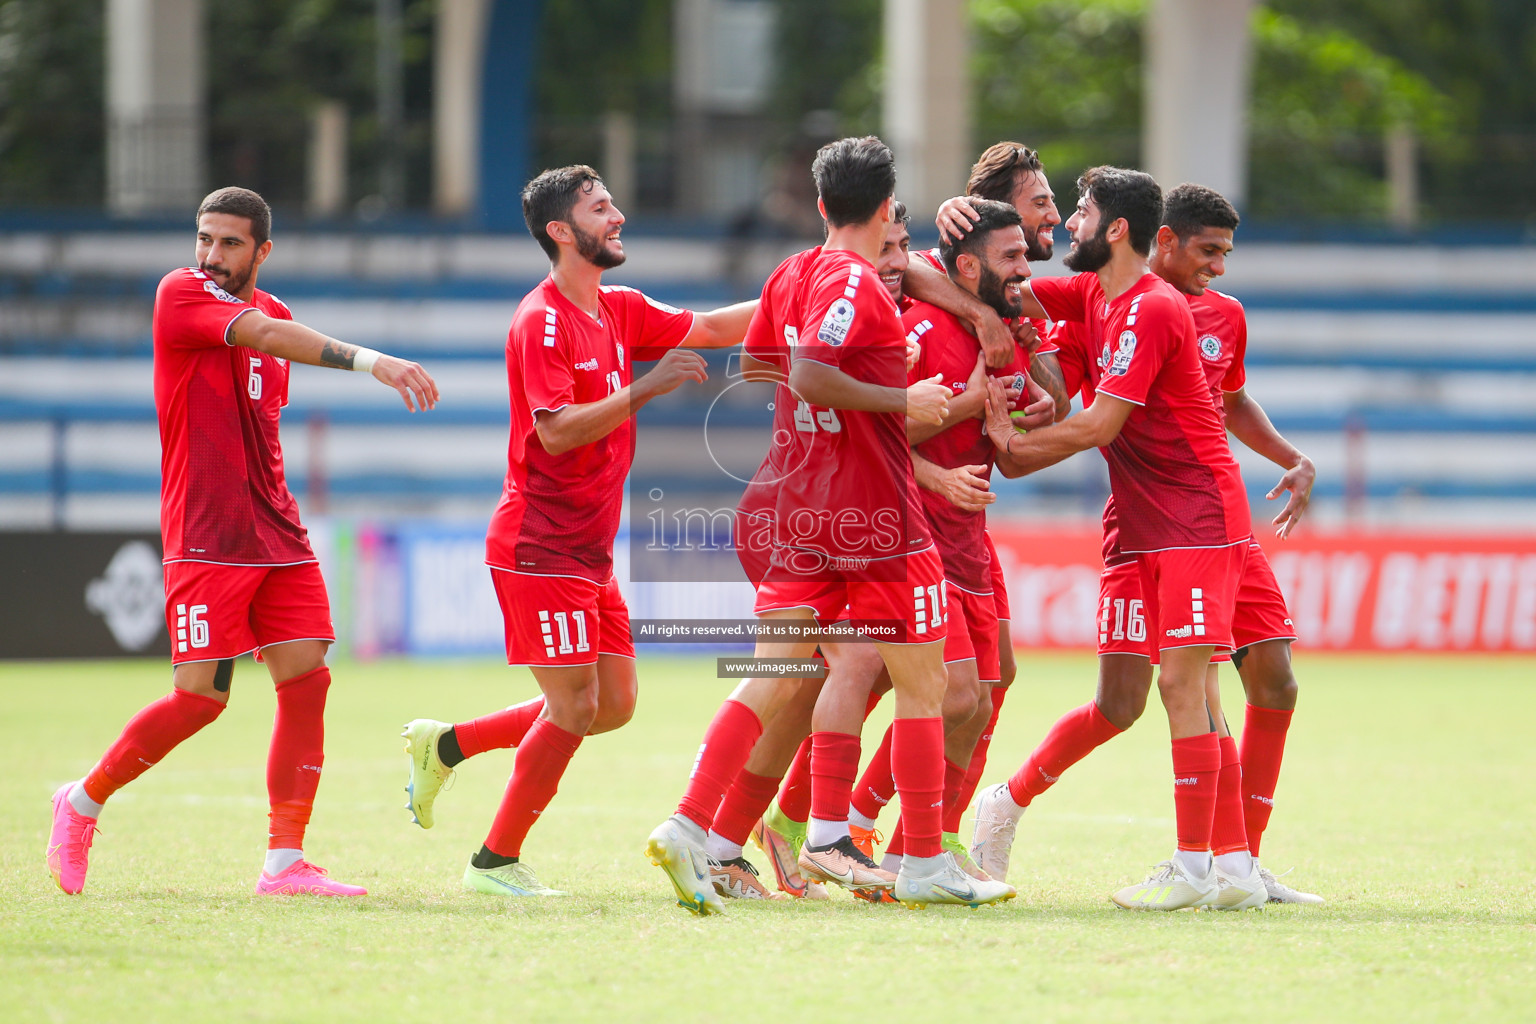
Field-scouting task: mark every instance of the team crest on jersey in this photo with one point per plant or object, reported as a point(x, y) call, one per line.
point(1015, 387)
point(215, 290)
point(1119, 362)
point(618, 349)
point(1210, 347)
point(835, 325)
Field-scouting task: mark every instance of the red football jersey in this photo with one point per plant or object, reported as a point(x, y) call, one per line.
point(1221, 330)
point(559, 513)
point(850, 494)
point(1171, 471)
point(949, 349)
point(223, 496)
point(768, 338)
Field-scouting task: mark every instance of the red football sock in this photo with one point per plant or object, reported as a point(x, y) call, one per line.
point(727, 744)
point(917, 756)
point(744, 803)
point(876, 786)
point(978, 763)
point(1071, 739)
point(147, 738)
point(954, 810)
point(1263, 747)
point(898, 843)
point(296, 756)
point(795, 794)
point(498, 730)
point(834, 766)
point(542, 758)
point(1196, 764)
point(1229, 834)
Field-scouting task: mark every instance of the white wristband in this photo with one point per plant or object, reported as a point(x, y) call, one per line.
point(364, 360)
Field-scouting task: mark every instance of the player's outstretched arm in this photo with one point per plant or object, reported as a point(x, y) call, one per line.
point(1020, 453)
point(720, 328)
point(299, 344)
point(1249, 423)
point(572, 426)
point(964, 487)
point(925, 284)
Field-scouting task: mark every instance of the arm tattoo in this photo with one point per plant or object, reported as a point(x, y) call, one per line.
point(1048, 375)
point(338, 354)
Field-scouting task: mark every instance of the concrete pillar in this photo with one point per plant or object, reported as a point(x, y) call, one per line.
point(458, 60)
point(155, 134)
point(1196, 71)
point(1402, 166)
point(927, 100)
point(327, 192)
point(620, 168)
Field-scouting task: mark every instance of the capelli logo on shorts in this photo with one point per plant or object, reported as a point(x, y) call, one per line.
point(1181, 632)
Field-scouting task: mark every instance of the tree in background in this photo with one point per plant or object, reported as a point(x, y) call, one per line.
point(52, 146)
point(1065, 75)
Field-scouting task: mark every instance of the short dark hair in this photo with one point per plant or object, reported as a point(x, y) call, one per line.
point(995, 215)
point(899, 213)
point(550, 196)
point(1133, 195)
point(240, 202)
point(1190, 208)
point(853, 177)
point(998, 171)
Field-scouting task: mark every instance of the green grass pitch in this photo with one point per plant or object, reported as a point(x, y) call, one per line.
point(1408, 799)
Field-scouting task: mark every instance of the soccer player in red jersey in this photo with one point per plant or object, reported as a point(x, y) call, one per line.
point(239, 572)
point(1191, 250)
point(1178, 494)
point(849, 535)
point(988, 263)
point(570, 372)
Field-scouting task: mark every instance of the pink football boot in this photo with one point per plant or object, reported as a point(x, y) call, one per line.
point(69, 844)
point(304, 879)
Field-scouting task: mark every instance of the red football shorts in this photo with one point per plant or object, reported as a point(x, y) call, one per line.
point(215, 612)
point(999, 582)
point(976, 616)
point(561, 620)
point(958, 645)
point(1261, 612)
point(1191, 595)
point(1122, 613)
point(752, 537)
point(910, 600)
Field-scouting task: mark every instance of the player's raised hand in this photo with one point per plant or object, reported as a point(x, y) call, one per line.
point(1298, 480)
point(966, 488)
point(928, 400)
point(674, 369)
point(1026, 336)
point(415, 385)
point(1040, 410)
point(999, 423)
point(955, 218)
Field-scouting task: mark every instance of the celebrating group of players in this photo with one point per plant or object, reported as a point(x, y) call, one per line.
point(900, 384)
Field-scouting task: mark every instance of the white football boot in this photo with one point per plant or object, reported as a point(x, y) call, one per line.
point(1279, 892)
point(677, 847)
point(1170, 887)
point(996, 818)
point(948, 884)
point(1236, 893)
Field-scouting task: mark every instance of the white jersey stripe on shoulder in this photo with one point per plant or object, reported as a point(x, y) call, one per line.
point(854, 273)
point(549, 328)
